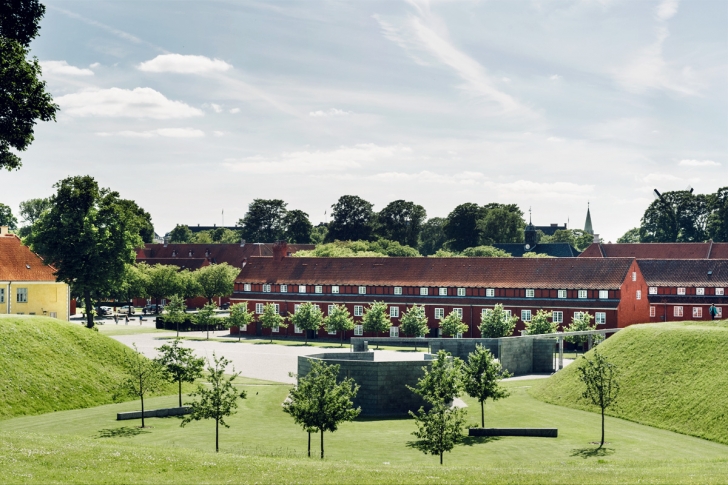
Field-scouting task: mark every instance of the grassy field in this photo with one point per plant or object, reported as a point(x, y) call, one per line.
point(674, 376)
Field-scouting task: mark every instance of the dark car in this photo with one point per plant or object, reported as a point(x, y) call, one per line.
point(225, 306)
point(152, 308)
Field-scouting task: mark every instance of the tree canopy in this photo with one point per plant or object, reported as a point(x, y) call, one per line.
point(264, 221)
point(432, 236)
point(352, 220)
point(682, 216)
point(401, 221)
point(216, 280)
point(7, 218)
point(481, 374)
point(497, 322)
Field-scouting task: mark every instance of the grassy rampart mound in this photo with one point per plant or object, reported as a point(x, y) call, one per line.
point(673, 376)
point(49, 365)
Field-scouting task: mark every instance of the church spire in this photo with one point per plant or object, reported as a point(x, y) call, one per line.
point(588, 224)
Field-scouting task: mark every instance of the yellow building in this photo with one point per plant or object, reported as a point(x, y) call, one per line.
point(27, 285)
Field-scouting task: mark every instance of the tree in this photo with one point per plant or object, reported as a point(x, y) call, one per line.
point(413, 322)
point(264, 221)
point(452, 325)
point(480, 378)
point(240, 316)
point(540, 324)
point(401, 221)
point(180, 234)
point(146, 229)
point(679, 216)
point(307, 317)
point(497, 323)
point(432, 236)
point(501, 225)
point(223, 235)
point(88, 237)
point(319, 402)
point(189, 286)
point(216, 280)
point(580, 322)
point(339, 320)
point(23, 96)
point(353, 220)
point(485, 252)
point(206, 316)
point(376, 319)
point(164, 281)
point(318, 234)
point(631, 236)
point(576, 237)
point(134, 283)
point(601, 379)
point(298, 227)
point(270, 318)
point(442, 382)
point(144, 376)
point(31, 210)
point(179, 364)
point(175, 312)
point(217, 401)
point(7, 218)
point(461, 226)
point(717, 224)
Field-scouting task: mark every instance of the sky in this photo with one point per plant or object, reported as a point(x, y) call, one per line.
point(194, 109)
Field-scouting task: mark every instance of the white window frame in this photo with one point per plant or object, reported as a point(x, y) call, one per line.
point(557, 317)
point(296, 306)
point(562, 293)
point(461, 291)
point(21, 295)
point(439, 313)
point(638, 295)
point(277, 308)
point(719, 315)
point(526, 315)
point(302, 288)
point(442, 292)
point(600, 318)
point(266, 288)
point(634, 275)
point(508, 313)
point(284, 289)
point(700, 291)
point(331, 309)
point(331, 332)
point(394, 331)
point(358, 310)
point(259, 308)
point(490, 292)
point(652, 290)
point(358, 330)
point(318, 289)
point(681, 291)
point(653, 311)
point(583, 294)
point(578, 314)
point(697, 312)
point(424, 291)
point(275, 329)
point(297, 329)
point(397, 290)
point(603, 294)
point(2, 295)
point(335, 289)
point(459, 312)
point(362, 290)
point(247, 287)
point(485, 311)
point(394, 312)
point(677, 311)
point(719, 291)
point(530, 293)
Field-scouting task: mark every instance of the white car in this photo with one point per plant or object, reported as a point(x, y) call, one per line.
point(126, 308)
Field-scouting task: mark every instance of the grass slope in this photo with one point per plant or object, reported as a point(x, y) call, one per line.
point(673, 376)
point(49, 365)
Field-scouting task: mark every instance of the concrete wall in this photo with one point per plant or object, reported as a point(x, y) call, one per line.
point(519, 356)
point(543, 355)
point(383, 390)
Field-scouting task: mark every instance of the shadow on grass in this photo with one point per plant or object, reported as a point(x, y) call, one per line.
point(477, 440)
point(123, 432)
point(592, 452)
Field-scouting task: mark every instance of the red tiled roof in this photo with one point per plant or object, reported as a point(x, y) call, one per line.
point(232, 254)
point(19, 263)
point(554, 273)
point(685, 272)
point(657, 251)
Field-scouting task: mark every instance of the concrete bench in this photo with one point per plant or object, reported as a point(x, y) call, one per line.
point(154, 413)
point(535, 432)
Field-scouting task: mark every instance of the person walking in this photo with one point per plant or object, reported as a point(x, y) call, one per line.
point(713, 311)
point(116, 318)
point(127, 319)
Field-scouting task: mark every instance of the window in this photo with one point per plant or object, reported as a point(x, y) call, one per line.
point(653, 311)
point(558, 317)
point(247, 287)
point(296, 307)
point(358, 310)
point(526, 315)
point(600, 318)
point(331, 332)
point(394, 331)
point(562, 293)
point(577, 315)
point(275, 329)
point(530, 293)
point(603, 294)
point(439, 313)
point(582, 293)
point(484, 312)
point(331, 309)
point(459, 312)
point(442, 291)
point(362, 290)
point(490, 292)
point(55, 315)
point(22, 295)
point(634, 275)
point(459, 335)
point(258, 308)
point(719, 291)
point(334, 289)
point(700, 291)
point(284, 288)
point(394, 311)
point(266, 288)
point(677, 311)
point(358, 330)
point(277, 308)
point(424, 292)
point(508, 313)
point(652, 290)
point(638, 295)
point(397, 290)
point(719, 315)
point(681, 291)
point(318, 289)
point(461, 291)
point(297, 329)
point(2, 295)
point(302, 288)
point(697, 312)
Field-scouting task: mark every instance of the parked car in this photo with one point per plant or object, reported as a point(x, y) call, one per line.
point(152, 308)
point(127, 309)
point(104, 311)
point(225, 306)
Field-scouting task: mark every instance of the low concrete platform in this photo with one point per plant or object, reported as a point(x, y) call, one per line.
point(154, 413)
point(534, 432)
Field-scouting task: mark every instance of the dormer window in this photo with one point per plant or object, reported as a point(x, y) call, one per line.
point(681, 291)
point(530, 294)
point(174, 253)
point(189, 254)
point(207, 253)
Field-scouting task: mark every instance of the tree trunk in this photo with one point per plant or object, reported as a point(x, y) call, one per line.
point(141, 395)
point(207, 326)
point(309, 444)
point(342, 338)
point(322, 443)
point(217, 435)
point(180, 393)
point(238, 333)
point(89, 309)
point(177, 328)
point(441, 458)
point(602, 442)
point(482, 414)
point(156, 302)
point(305, 336)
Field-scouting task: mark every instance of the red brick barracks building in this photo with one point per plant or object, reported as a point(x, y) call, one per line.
point(617, 291)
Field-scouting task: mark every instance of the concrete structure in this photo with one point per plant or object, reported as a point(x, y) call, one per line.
point(383, 390)
point(532, 432)
point(517, 355)
point(154, 413)
point(28, 285)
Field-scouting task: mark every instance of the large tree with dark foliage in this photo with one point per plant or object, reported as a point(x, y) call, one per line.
point(461, 227)
point(401, 221)
point(264, 221)
point(89, 235)
point(501, 224)
point(7, 218)
point(682, 216)
point(432, 236)
point(718, 219)
point(298, 227)
point(353, 220)
point(23, 97)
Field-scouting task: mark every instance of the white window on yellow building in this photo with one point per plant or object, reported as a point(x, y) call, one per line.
point(22, 295)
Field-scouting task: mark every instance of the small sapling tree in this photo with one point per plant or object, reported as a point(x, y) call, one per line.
point(414, 322)
point(320, 403)
point(271, 319)
point(452, 325)
point(219, 400)
point(540, 323)
point(376, 319)
point(339, 320)
point(206, 316)
point(180, 364)
point(497, 323)
point(174, 312)
point(580, 323)
point(144, 376)
point(307, 317)
point(480, 378)
point(443, 380)
point(240, 316)
point(601, 379)
point(216, 280)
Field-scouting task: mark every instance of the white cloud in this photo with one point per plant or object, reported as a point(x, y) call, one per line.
point(94, 65)
point(554, 77)
point(330, 112)
point(184, 64)
point(64, 69)
point(130, 103)
point(699, 163)
point(164, 132)
point(667, 9)
point(218, 133)
point(216, 108)
point(235, 110)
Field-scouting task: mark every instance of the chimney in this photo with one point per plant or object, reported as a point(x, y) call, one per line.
point(279, 250)
point(596, 238)
point(165, 242)
point(245, 261)
point(242, 243)
point(3, 230)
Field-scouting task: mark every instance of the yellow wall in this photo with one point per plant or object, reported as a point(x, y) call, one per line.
point(44, 298)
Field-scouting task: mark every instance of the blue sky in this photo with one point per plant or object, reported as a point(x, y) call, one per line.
point(190, 108)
